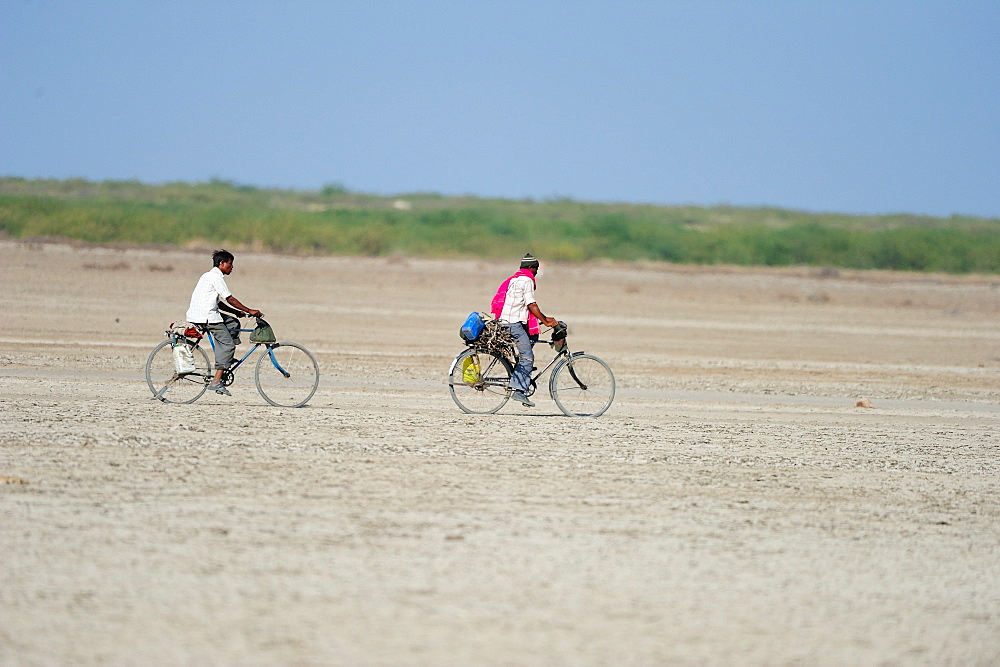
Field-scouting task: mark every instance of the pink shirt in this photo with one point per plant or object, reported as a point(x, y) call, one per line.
point(510, 304)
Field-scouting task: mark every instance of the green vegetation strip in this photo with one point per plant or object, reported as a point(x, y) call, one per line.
point(337, 221)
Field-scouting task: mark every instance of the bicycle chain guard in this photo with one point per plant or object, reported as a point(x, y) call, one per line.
point(227, 378)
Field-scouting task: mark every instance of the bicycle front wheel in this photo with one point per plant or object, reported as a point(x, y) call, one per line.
point(479, 382)
point(582, 386)
point(170, 387)
point(286, 375)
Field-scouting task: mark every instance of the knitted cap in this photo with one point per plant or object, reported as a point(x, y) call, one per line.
point(529, 261)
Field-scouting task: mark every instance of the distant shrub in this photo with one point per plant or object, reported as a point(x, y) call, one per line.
point(333, 190)
point(335, 221)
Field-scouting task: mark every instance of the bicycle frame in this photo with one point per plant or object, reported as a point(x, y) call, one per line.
point(270, 352)
point(555, 360)
point(533, 379)
point(552, 362)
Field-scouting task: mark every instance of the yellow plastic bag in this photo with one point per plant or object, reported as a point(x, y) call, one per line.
point(470, 370)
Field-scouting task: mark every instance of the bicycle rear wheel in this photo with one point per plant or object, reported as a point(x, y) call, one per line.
point(582, 386)
point(479, 382)
point(286, 375)
point(170, 387)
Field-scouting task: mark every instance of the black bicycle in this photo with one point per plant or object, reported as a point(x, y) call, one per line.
point(581, 384)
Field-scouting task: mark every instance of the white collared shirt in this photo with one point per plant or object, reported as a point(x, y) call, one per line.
point(210, 290)
point(520, 293)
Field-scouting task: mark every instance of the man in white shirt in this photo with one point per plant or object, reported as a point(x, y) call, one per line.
point(211, 295)
point(518, 302)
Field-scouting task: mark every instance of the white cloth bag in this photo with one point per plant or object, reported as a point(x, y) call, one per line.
point(183, 359)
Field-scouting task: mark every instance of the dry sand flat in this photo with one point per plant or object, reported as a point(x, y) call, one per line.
point(732, 506)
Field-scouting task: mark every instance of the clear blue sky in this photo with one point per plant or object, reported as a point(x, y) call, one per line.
point(874, 106)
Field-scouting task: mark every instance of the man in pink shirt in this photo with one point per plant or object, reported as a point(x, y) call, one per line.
point(514, 305)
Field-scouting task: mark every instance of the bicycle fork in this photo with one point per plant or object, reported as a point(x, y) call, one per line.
point(270, 353)
point(572, 373)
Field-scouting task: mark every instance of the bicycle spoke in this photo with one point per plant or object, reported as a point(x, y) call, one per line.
point(164, 382)
point(287, 375)
point(583, 386)
point(479, 382)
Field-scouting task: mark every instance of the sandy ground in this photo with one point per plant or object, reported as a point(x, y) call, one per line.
point(733, 506)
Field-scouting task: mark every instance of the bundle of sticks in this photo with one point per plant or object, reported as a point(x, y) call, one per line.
point(496, 340)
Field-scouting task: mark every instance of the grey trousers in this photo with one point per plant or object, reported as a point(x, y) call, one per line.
point(225, 348)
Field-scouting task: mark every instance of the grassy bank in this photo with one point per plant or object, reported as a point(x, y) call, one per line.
point(336, 221)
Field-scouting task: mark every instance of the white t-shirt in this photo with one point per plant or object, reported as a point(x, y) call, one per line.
point(210, 290)
point(520, 293)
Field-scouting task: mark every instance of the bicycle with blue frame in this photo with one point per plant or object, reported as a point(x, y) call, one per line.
point(581, 384)
point(286, 374)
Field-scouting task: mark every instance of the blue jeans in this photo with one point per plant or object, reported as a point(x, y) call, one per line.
point(520, 380)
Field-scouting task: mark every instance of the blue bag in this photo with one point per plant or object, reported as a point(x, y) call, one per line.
point(472, 328)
